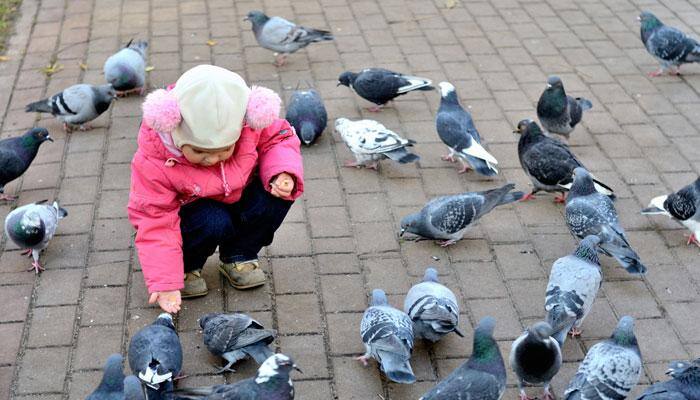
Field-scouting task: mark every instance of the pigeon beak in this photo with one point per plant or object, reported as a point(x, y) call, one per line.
point(549, 86)
point(402, 231)
point(338, 84)
point(669, 371)
point(297, 368)
point(457, 331)
point(516, 131)
point(245, 18)
point(651, 210)
point(639, 18)
point(49, 138)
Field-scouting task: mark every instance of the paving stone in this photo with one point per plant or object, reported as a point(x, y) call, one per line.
point(53, 363)
point(343, 293)
point(349, 372)
point(309, 352)
point(341, 339)
point(52, 326)
point(14, 302)
point(103, 306)
point(648, 331)
point(12, 336)
point(298, 313)
point(95, 344)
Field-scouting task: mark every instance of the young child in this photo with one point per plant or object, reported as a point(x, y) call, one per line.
point(215, 167)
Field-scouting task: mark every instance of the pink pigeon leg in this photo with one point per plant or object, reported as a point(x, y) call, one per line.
point(445, 243)
point(529, 196)
point(36, 266)
point(27, 252)
point(7, 197)
point(352, 163)
point(560, 198)
point(547, 395)
point(448, 157)
point(67, 128)
point(575, 332)
point(524, 396)
point(363, 359)
point(656, 73)
point(280, 60)
point(465, 168)
point(374, 108)
point(692, 239)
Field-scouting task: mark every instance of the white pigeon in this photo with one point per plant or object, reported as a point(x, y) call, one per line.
point(369, 141)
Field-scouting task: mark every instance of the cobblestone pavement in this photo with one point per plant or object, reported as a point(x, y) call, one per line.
point(339, 242)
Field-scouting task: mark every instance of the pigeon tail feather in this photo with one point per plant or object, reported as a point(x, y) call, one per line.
point(308, 132)
point(511, 197)
point(259, 352)
point(396, 367)
point(42, 106)
point(584, 103)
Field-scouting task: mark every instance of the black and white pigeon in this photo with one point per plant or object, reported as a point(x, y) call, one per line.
point(272, 382)
point(535, 357)
point(76, 105)
point(125, 70)
point(17, 153)
point(684, 383)
point(111, 386)
point(432, 307)
point(380, 86)
point(558, 112)
point(32, 226)
point(235, 337)
point(591, 213)
point(307, 114)
point(549, 163)
point(387, 334)
point(611, 367)
point(667, 44)
point(370, 141)
point(447, 218)
point(457, 130)
point(282, 36)
point(573, 285)
point(483, 376)
point(683, 206)
point(155, 356)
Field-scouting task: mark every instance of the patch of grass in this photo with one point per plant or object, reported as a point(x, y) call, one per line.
point(8, 10)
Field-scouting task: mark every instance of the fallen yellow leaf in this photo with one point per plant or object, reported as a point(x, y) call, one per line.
point(150, 68)
point(83, 66)
point(4, 58)
point(450, 3)
point(52, 68)
point(211, 42)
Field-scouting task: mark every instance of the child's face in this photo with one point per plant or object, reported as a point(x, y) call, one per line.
point(206, 157)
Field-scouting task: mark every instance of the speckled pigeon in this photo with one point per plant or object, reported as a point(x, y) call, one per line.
point(235, 337)
point(369, 141)
point(380, 86)
point(456, 129)
point(447, 218)
point(432, 307)
point(112, 385)
point(668, 45)
point(683, 206)
point(483, 376)
point(307, 114)
point(126, 69)
point(548, 162)
point(611, 367)
point(684, 383)
point(591, 213)
point(17, 153)
point(32, 226)
point(573, 285)
point(76, 105)
point(535, 357)
point(387, 334)
point(558, 112)
point(282, 36)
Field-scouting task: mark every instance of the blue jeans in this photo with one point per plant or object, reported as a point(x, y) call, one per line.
point(240, 229)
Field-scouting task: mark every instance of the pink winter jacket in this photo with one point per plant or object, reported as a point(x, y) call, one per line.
point(161, 183)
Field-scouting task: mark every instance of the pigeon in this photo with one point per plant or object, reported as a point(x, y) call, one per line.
point(684, 383)
point(573, 284)
point(611, 367)
point(380, 86)
point(683, 206)
point(307, 114)
point(483, 376)
point(668, 45)
point(76, 105)
point(112, 385)
point(133, 389)
point(549, 163)
point(282, 36)
point(272, 382)
point(535, 357)
point(32, 226)
point(126, 69)
point(558, 112)
point(369, 141)
point(456, 129)
point(235, 337)
point(433, 308)
point(387, 334)
point(17, 153)
point(155, 356)
point(591, 213)
point(448, 217)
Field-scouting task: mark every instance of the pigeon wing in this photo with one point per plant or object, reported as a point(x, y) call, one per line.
point(11, 164)
point(455, 213)
point(670, 44)
point(465, 383)
point(550, 162)
point(682, 204)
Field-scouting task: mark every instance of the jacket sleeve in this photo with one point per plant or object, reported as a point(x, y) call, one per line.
point(279, 151)
point(153, 210)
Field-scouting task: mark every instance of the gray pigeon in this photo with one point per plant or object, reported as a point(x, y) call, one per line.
point(481, 377)
point(235, 337)
point(432, 307)
point(76, 105)
point(307, 114)
point(611, 367)
point(684, 383)
point(558, 112)
point(683, 206)
point(380, 86)
point(112, 385)
point(573, 285)
point(548, 162)
point(272, 382)
point(282, 36)
point(369, 141)
point(447, 218)
point(535, 357)
point(32, 226)
point(456, 129)
point(16, 154)
point(126, 69)
point(591, 213)
point(668, 45)
point(387, 334)
point(133, 389)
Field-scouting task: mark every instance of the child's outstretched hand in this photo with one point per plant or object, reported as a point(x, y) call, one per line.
point(282, 185)
point(168, 301)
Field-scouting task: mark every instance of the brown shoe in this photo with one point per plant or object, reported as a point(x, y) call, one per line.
point(195, 285)
point(243, 275)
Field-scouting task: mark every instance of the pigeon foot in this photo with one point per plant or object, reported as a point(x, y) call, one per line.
point(465, 168)
point(448, 157)
point(140, 90)
point(524, 396)
point(363, 360)
point(692, 239)
point(374, 109)
point(27, 252)
point(655, 73)
point(446, 243)
point(36, 267)
point(547, 395)
point(67, 128)
point(528, 196)
point(85, 127)
point(575, 332)
point(225, 368)
point(280, 60)
point(7, 197)
point(560, 198)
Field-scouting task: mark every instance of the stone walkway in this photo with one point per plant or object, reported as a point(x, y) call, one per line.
point(339, 242)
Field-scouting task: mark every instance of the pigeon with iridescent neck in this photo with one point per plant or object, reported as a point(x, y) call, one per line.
point(381, 86)
point(558, 112)
point(668, 45)
point(535, 357)
point(683, 385)
point(16, 154)
point(683, 206)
